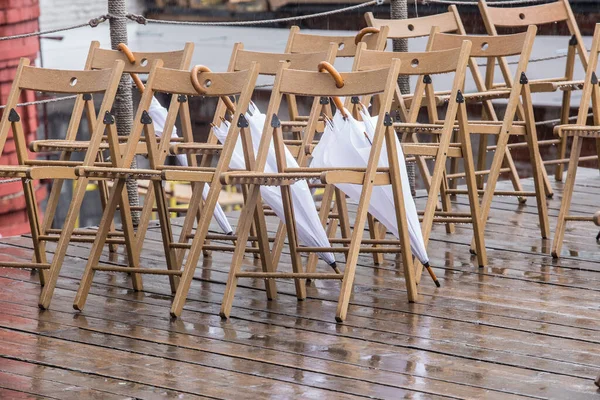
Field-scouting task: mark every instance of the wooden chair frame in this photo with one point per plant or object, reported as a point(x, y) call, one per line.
point(426, 64)
point(499, 47)
point(56, 81)
point(579, 131)
point(450, 22)
point(302, 83)
point(181, 86)
point(268, 64)
point(135, 63)
point(374, 39)
point(515, 17)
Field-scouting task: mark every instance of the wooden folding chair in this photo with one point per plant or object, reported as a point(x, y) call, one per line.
point(268, 65)
point(103, 82)
point(579, 131)
point(374, 39)
point(449, 22)
point(428, 64)
point(135, 63)
point(302, 83)
point(181, 84)
point(522, 17)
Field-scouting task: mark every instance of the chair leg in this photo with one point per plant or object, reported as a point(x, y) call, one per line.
point(242, 232)
point(311, 264)
point(446, 203)
point(540, 177)
point(288, 208)
point(467, 153)
point(96, 251)
point(63, 243)
point(374, 234)
point(165, 228)
point(562, 146)
point(565, 205)
point(39, 247)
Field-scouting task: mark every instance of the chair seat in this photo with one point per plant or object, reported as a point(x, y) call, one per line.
point(578, 130)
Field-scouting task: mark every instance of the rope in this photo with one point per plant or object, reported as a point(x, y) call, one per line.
point(144, 21)
point(45, 101)
point(10, 180)
point(94, 22)
point(554, 122)
point(123, 104)
point(474, 3)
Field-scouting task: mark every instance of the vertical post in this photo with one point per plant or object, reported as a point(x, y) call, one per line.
point(123, 105)
point(399, 10)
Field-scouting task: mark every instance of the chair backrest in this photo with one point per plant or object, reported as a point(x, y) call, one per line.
point(418, 27)
point(490, 47)
point(103, 58)
point(27, 77)
point(515, 17)
point(418, 63)
point(269, 63)
point(346, 45)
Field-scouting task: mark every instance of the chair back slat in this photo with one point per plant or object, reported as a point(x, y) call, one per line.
point(415, 27)
point(270, 62)
point(346, 45)
point(305, 83)
point(104, 58)
point(65, 81)
point(482, 45)
point(529, 15)
point(412, 63)
point(215, 83)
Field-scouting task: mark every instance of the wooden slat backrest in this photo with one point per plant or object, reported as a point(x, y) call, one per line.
point(417, 27)
point(104, 58)
point(482, 45)
point(412, 63)
point(214, 83)
point(529, 15)
point(346, 45)
point(305, 83)
point(269, 62)
point(64, 81)
point(559, 11)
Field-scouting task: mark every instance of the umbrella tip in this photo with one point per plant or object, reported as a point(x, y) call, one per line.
point(230, 233)
point(335, 268)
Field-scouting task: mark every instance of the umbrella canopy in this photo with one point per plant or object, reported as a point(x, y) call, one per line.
point(346, 142)
point(159, 115)
point(309, 228)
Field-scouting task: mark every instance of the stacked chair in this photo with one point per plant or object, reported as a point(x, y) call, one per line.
point(579, 131)
point(83, 83)
point(542, 14)
point(240, 153)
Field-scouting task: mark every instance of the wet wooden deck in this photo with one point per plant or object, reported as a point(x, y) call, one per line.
point(526, 326)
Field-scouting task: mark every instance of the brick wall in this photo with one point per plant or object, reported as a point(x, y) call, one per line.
point(59, 13)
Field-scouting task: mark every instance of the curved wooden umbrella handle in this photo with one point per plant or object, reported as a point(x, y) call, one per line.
point(325, 66)
point(196, 83)
point(363, 32)
point(340, 106)
point(136, 79)
point(128, 53)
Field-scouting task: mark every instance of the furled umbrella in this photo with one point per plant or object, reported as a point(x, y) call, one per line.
point(159, 116)
point(309, 228)
point(351, 139)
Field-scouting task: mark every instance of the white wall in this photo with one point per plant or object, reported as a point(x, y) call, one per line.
point(61, 13)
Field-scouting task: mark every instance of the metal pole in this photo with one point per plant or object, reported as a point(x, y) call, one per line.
point(399, 10)
point(123, 106)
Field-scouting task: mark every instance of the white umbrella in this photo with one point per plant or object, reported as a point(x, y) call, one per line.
point(159, 116)
point(309, 228)
point(346, 142)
